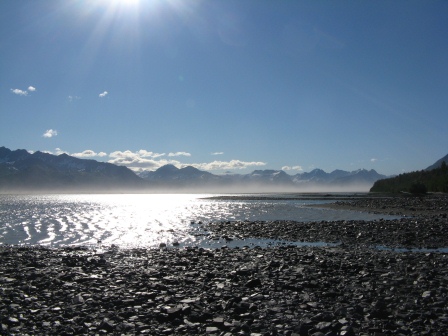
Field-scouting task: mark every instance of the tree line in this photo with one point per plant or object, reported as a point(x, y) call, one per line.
point(418, 182)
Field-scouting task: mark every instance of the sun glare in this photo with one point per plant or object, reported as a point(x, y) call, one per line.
point(128, 2)
point(123, 4)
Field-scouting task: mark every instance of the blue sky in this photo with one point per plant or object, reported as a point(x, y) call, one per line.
point(228, 85)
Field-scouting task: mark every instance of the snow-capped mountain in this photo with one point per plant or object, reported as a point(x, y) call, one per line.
point(268, 177)
point(337, 177)
point(314, 176)
point(169, 175)
point(20, 169)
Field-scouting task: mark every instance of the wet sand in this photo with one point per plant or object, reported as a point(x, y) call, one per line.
point(349, 289)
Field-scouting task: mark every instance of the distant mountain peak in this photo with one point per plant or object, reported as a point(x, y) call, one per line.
point(190, 169)
point(21, 170)
point(45, 170)
point(167, 168)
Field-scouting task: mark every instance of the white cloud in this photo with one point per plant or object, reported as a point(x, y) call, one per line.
point(89, 153)
point(59, 151)
point(299, 168)
point(19, 92)
point(373, 160)
point(217, 153)
point(179, 154)
point(140, 160)
point(50, 133)
point(139, 154)
point(104, 94)
point(125, 154)
point(143, 164)
point(23, 92)
point(145, 153)
point(135, 162)
point(84, 154)
point(72, 98)
point(227, 165)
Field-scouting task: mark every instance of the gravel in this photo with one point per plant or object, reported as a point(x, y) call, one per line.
point(353, 288)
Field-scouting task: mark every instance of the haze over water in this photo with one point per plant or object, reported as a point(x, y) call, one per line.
point(130, 220)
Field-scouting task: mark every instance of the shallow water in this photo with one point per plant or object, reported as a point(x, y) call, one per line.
point(147, 220)
point(413, 250)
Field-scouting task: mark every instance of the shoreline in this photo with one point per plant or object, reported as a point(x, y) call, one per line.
point(432, 204)
point(349, 289)
point(423, 225)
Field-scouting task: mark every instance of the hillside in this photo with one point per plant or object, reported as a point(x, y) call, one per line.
point(435, 180)
point(438, 163)
point(22, 171)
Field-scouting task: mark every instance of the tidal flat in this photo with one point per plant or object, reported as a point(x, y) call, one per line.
point(352, 288)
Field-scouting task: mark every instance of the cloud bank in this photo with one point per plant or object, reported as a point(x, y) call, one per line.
point(89, 153)
point(84, 154)
point(227, 165)
point(179, 154)
point(140, 160)
point(143, 160)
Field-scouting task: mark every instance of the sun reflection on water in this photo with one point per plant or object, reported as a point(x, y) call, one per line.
point(136, 220)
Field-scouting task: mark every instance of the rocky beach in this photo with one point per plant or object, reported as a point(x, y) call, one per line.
point(382, 277)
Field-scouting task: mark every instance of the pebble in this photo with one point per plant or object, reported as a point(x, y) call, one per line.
point(426, 229)
point(290, 291)
point(347, 289)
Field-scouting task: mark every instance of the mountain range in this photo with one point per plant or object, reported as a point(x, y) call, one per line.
point(171, 176)
point(21, 170)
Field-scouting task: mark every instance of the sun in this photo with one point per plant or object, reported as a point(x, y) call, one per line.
point(129, 2)
point(124, 3)
point(115, 5)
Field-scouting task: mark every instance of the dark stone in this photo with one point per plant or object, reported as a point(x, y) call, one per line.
point(107, 325)
point(253, 283)
point(348, 289)
point(12, 320)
